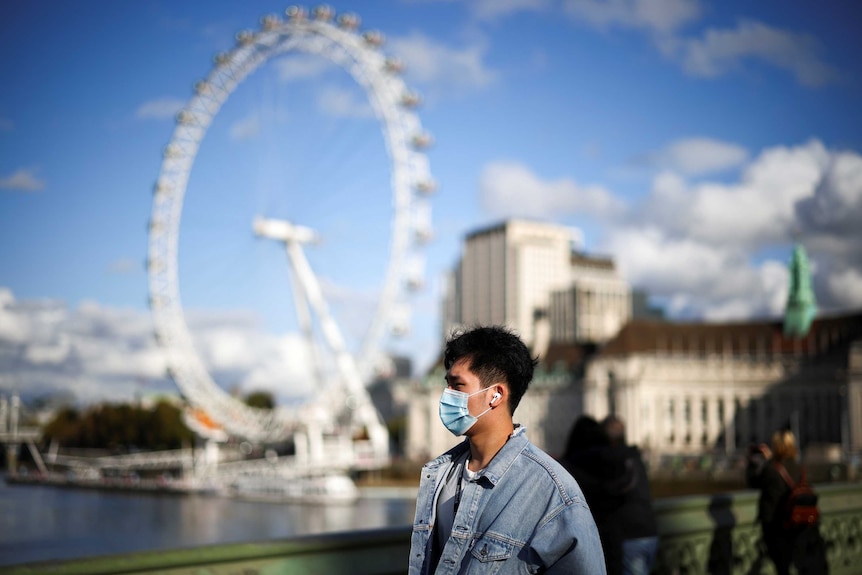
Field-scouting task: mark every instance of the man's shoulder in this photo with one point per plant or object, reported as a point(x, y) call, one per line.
point(549, 469)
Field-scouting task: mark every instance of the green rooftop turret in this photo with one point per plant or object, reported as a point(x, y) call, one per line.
point(801, 303)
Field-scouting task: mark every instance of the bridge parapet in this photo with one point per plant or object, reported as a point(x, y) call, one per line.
point(699, 534)
point(719, 534)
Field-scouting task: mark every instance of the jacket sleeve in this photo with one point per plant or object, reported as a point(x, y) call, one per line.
point(569, 543)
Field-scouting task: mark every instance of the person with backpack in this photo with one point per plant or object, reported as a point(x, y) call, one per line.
point(787, 511)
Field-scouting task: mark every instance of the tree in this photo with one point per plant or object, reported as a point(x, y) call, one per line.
point(260, 399)
point(120, 426)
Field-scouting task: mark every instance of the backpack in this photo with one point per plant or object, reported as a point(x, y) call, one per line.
point(801, 506)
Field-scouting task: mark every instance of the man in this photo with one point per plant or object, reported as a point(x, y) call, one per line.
point(635, 516)
point(496, 503)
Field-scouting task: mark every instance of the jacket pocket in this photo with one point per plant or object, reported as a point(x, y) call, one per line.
point(489, 549)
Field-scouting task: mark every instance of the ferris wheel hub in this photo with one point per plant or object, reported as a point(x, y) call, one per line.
point(284, 231)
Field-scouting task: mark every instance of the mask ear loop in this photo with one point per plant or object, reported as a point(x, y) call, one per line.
point(491, 406)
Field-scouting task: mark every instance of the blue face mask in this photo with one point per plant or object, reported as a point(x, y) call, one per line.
point(454, 412)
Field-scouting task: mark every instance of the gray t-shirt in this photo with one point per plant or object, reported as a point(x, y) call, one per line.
point(450, 494)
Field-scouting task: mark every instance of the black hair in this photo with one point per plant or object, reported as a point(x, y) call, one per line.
point(495, 354)
point(615, 429)
point(586, 434)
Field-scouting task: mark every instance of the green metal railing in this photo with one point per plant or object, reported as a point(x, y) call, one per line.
point(699, 534)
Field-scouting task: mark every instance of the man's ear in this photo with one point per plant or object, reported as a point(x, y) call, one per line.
point(500, 393)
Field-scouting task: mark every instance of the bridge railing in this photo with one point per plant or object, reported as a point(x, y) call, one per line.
point(699, 534)
point(719, 533)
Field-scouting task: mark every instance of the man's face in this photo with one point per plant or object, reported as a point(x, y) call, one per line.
point(459, 377)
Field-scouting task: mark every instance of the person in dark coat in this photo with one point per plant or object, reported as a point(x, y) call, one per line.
point(604, 478)
point(758, 456)
point(802, 547)
point(635, 515)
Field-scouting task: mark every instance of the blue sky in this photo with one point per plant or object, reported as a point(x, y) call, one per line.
point(690, 140)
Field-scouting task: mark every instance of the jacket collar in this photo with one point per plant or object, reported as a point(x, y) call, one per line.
point(507, 455)
point(501, 462)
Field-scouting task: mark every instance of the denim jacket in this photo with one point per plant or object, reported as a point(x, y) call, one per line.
point(523, 514)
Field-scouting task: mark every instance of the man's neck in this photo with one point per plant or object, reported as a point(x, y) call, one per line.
point(484, 446)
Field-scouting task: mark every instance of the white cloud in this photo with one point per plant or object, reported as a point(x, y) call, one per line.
point(836, 205)
point(245, 129)
point(756, 210)
point(284, 370)
point(101, 353)
point(13, 327)
point(846, 287)
point(440, 68)
point(25, 179)
point(720, 51)
point(698, 245)
point(699, 156)
point(697, 278)
point(510, 189)
point(159, 109)
point(659, 16)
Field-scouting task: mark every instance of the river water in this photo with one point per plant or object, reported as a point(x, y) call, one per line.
point(39, 523)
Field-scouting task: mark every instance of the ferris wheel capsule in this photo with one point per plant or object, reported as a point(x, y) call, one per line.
point(426, 187)
point(394, 65)
point(154, 225)
point(410, 99)
point(323, 13)
point(245, 37)
point(296, 14)
point(160, 188)
point(415, 275)
point(185, 117)
point(173, 150)
point(422, 141)
point(374, 38)
point(400, 325)
point(349, 21)
point(270, 22)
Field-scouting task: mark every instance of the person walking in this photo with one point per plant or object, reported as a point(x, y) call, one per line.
point(635, 515)
point(604, 478)
point(802, 547)
point(496, 503)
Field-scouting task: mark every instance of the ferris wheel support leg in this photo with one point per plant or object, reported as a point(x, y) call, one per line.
point(304, 317)
point(292, 236)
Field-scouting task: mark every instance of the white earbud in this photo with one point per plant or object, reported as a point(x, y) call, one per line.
point(495, 397)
